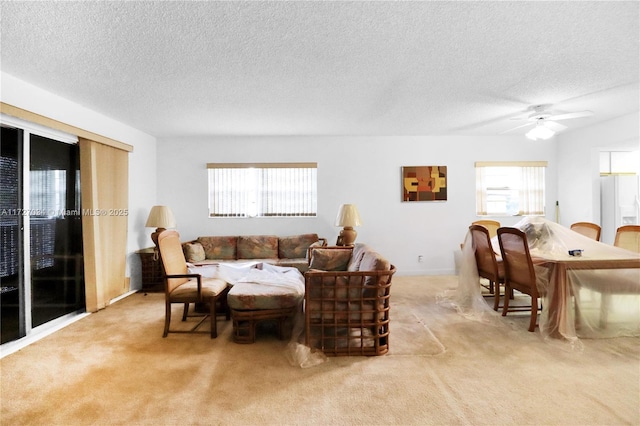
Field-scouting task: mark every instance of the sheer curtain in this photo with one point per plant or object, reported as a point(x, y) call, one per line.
point(532, 191)
point(481, 191)
point(516, 187)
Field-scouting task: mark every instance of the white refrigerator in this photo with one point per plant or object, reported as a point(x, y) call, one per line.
point(619, 204)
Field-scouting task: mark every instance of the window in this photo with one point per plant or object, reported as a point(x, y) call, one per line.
point(262, 189)
point(510, 188)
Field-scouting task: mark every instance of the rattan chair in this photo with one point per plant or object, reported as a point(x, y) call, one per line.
point(628, 237)
point(488, 266)
point(519, 272)
point(491, 225)
point(185, 288)
point(587, 229)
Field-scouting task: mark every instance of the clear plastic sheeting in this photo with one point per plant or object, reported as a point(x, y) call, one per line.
point(467, 298)
point(262, 274)
point(594, 293)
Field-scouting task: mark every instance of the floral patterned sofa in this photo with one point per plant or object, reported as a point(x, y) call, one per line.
point(259, 292)
point(271, 249)
point(347, 301)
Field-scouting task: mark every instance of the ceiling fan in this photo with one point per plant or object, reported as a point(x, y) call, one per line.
point(544, 121)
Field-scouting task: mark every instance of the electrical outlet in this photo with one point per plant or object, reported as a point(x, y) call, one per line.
point(421, 258)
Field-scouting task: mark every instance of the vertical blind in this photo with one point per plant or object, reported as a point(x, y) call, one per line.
point(262, 189)
point(9, 226)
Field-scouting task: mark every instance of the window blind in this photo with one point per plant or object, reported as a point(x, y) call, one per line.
point(262, 189)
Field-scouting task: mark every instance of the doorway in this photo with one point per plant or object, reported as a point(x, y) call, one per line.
point(41, 265)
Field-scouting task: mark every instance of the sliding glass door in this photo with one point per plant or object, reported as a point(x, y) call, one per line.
point(41, 264)
point(12, 299)
point(57, 275)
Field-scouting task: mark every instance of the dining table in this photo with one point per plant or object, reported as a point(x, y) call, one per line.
point(607, 273)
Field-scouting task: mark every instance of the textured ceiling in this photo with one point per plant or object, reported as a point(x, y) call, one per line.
point(328, 68)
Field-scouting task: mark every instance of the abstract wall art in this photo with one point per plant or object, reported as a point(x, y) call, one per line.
point(424, 183)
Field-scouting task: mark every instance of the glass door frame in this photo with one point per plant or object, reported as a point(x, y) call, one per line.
point(29, 129)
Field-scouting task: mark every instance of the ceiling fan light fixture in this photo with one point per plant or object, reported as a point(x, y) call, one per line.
point(540, 132)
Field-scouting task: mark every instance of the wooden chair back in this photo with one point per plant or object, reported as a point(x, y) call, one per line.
point(172, 258)
point(518, 266)
point(628, 237)
point(491, 225)
point(588, 229)
point(488, 266)
point(519, 273)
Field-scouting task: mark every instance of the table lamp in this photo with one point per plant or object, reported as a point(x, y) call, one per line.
point(348, 217)
point(161, 218)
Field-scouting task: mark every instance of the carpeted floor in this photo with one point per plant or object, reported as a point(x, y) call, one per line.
point(113, 367)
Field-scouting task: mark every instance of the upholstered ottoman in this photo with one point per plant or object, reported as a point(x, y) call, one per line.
point(262, 292)
point(251, 303)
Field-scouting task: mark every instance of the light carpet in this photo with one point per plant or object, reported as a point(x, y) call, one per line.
point(114, 367)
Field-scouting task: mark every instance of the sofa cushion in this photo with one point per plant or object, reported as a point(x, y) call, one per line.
point(258, 247)
point(312, 247)
point(295, 246)
point(301, 265)
point(223, 248)
point(330, 259)
point(193, 252)
point(252, 296)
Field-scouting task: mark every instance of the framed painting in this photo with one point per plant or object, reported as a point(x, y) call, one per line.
point(424, 183)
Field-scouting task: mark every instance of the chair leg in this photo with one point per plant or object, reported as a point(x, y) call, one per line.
point(496, 294)
point(534, 313)
point(185, 312)
point(214, 322)
point(505, 307)
point(167, 319)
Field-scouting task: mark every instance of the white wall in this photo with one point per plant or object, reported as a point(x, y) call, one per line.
point(578, 164)
point(364, 170)
point(142, 161)
point(361, 170)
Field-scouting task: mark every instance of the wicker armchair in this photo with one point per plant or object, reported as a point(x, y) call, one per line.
point(347, 308)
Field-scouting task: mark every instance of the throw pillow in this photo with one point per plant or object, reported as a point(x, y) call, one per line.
point(194, 252)
point(330, 259)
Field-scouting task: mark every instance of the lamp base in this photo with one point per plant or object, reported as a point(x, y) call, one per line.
point(348, 236)
point(154, 235)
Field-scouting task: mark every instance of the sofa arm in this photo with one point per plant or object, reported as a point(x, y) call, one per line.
point(353, 288)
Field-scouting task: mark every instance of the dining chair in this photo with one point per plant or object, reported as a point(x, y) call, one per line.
point(491, 225)
point(489, 267)
point(587, 229)
point(519, 272)
point(185, 288)
point(628, 237)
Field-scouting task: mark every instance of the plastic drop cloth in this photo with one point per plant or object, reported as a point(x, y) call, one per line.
point(265, 274)
point(593, 295)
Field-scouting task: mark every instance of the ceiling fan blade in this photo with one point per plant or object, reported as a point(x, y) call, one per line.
point(556, 127)
point(519, 127)
point(570, 115)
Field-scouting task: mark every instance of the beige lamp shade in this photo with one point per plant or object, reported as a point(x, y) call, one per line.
point(161, 218)
point(348, 217)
